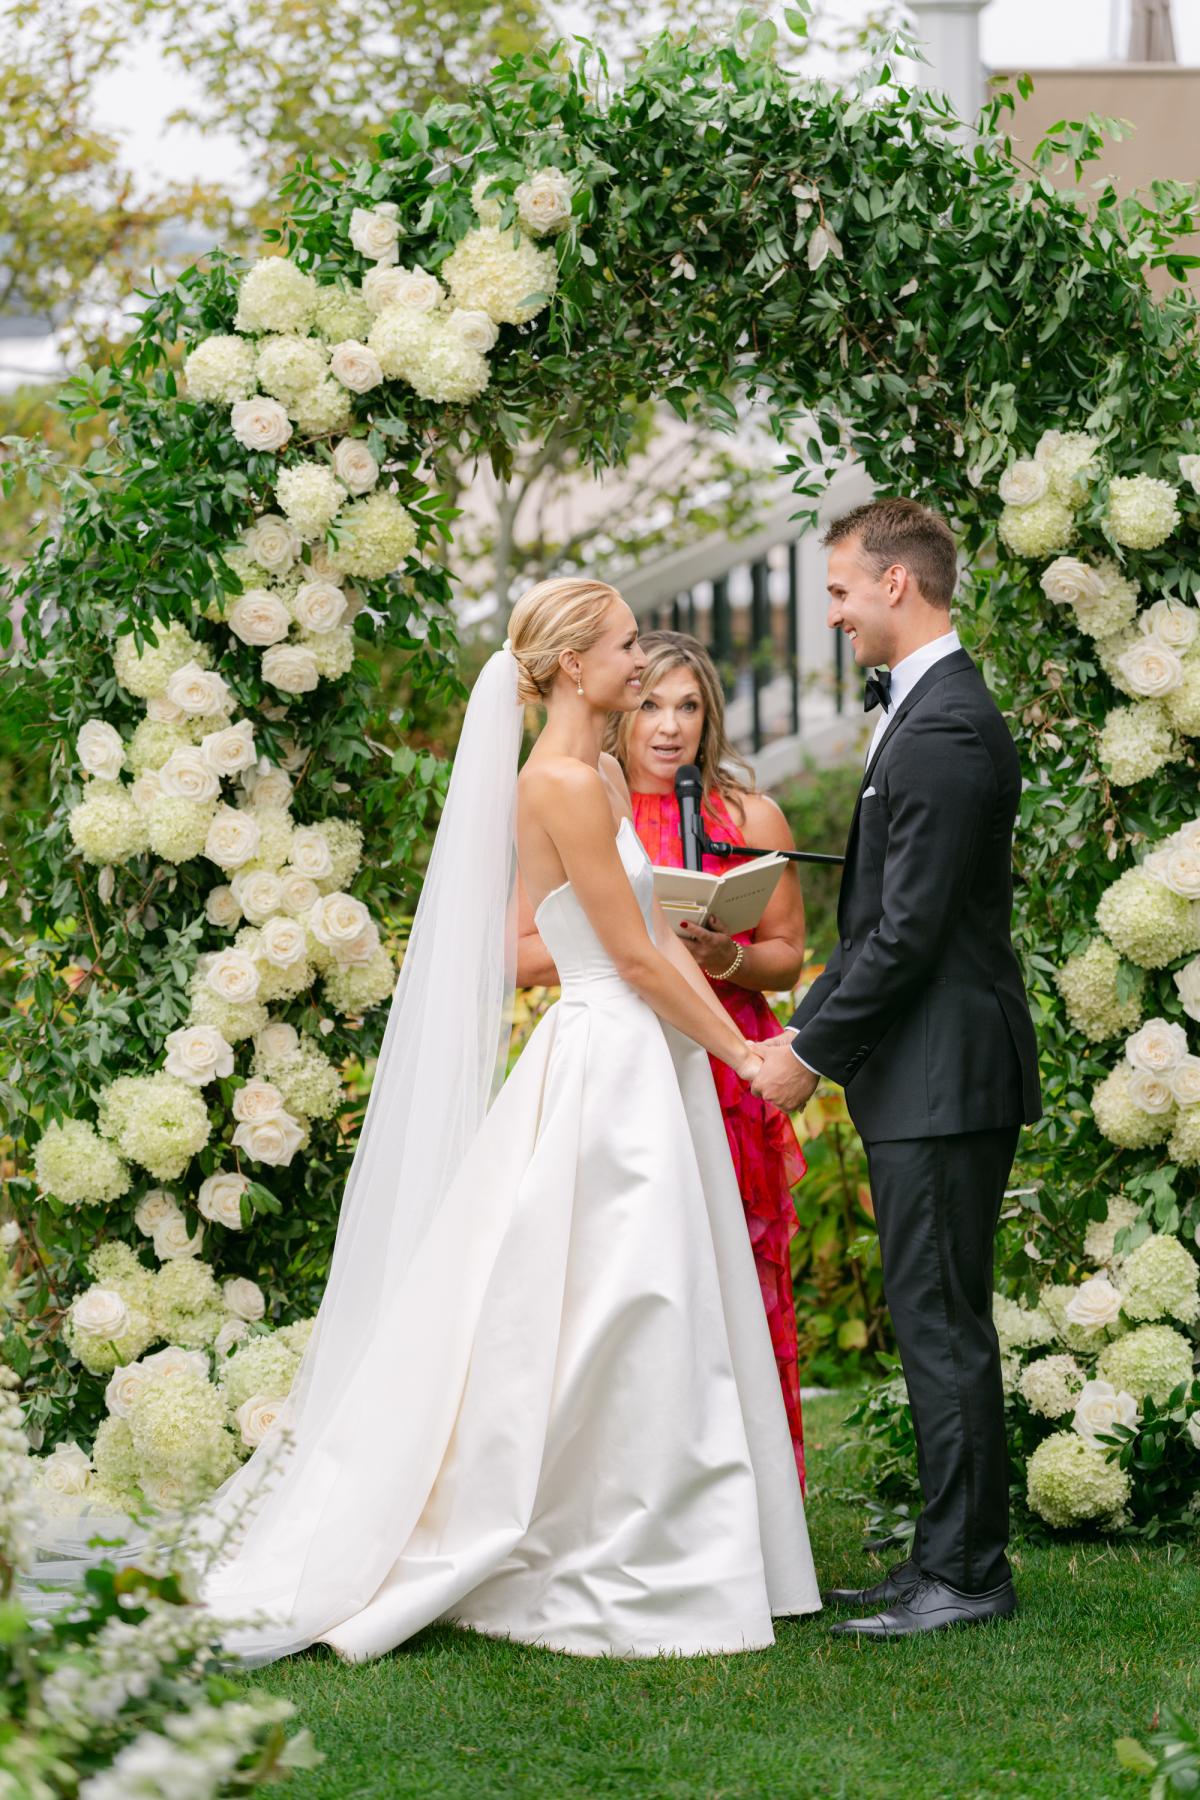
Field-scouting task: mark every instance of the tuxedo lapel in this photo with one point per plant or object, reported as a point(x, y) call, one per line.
point(954, 664)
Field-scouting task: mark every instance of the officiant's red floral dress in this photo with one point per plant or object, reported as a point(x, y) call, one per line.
point(766, 1155)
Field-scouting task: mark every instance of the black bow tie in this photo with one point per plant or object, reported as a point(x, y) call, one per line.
point(879, 691)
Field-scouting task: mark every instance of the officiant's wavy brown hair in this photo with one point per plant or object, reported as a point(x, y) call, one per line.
point(564, 614)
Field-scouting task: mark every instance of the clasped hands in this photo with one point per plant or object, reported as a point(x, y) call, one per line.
point(780, 1076)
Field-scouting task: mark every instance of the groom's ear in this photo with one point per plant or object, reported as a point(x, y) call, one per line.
point(897, 583)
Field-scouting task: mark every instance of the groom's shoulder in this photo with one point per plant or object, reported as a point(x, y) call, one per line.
point(962, 707)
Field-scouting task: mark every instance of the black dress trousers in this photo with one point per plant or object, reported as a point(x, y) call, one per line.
point(937, 1203)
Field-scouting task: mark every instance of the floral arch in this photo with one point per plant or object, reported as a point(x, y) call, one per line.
point(217, 891)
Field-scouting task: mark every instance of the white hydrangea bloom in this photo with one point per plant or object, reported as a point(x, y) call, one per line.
point(1136, 742)
point(72, 1162)
point(1160, 1279)
point(1051, 1384)
point(145, 671)
point(1119, 1116)
point(1039, 529)
point(1141, 512)
point(220, 369)
point(310, 495)
point(1153, 1360)
point(1072, 1482)
point(287, 366)
point(107, 826)
point(1099, 1242)
point(1145, 921)
point(499, 273)
point(375, 536)
point(276, 296)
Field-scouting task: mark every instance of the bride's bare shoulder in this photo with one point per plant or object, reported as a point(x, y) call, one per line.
point(553, 781)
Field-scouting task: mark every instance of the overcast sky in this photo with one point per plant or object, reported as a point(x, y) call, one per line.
point(1028, 33)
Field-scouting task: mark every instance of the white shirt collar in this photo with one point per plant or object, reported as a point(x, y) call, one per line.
point(909, 670)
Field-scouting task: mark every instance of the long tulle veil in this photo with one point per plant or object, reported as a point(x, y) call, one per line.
point(306, 1530)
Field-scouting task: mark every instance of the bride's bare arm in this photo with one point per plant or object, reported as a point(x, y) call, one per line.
point(573, 809)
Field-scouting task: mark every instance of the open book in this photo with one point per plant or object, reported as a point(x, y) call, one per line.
point(738, 898)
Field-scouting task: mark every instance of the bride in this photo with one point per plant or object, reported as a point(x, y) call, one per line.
point(540, 1399)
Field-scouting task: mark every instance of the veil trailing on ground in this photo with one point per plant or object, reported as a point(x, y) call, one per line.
point(304, 1533)
point(309, 1512)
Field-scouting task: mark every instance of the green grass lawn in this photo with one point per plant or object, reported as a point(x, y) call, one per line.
point(1026, 1708)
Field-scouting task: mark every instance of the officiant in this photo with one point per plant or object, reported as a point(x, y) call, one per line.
point(681, 721)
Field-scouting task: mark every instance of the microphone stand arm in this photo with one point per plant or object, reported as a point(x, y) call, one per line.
point(715, 847)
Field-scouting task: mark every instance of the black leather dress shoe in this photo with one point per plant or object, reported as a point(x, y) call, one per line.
point(894, 1585)
point(931, 1605)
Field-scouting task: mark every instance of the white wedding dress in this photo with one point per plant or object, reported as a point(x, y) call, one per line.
point(587, 1446)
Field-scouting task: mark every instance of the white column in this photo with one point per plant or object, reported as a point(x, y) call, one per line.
point(949, 31)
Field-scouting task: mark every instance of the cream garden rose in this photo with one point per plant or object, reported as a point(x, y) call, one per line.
point(356, 367)
point(284, 943)
point(292, 668)
point(259, 894)
point(1158, 1047)
point(272, 543)
point(232, 976)
point(375, 232)
point(1152, 1093)
point(233, 838)
point(273, 1141)
point(221, 908)
point(198, 692)
point(1022, 483)
point(1184, 1081)
point(257, 1100)
point(125, 1384)
point(152, 1209)
point(277, 1039)
point(318, 605)
point(220, 1198)
point(300, 893)
point(100, 749)
point(244, 1299)
point(344, 926)
point(66, 1471)
point(230, 750)
point(1187, 985)
point(309, 853)
point(256, 1416)
point(1095, 1304)
point(99, 1313)
point(260, 423)
point(544, 202)
point(198, 1054)
point(1172, 622)
point(474, 329)
point(258, 618)
point(172, 1239)
point(1177, 866)
point(414, 288)
point(1100, 1407)
point(188, 775)
point(354, 465)
point(1151, 668)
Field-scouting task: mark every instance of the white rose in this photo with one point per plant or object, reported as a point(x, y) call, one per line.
point(309, 853)
point(1094, 1304)
point(258, 893)
point(1187, 984)
point(233, 1331)
point(257, 1100)
point(1067, 580)
point(1046, 445)
point(381, 287)
point(187, 775)
point(1177, 866)
point(284, 943)
point(414, 288)
point(233, 838)
point(123, 1389)
point(152, 1209)
point(258, 617)
point(292, 668)
point(145, 790)
point(1022, 483)
point(273, 543)
point(1184, 1081)
point(277, 1039)
point(100, 750)
point(99, 1312)
point(231, 750)
point(172, 1239)
point(198, 691)
point(256, 1416)
point(10, 1235)
point(354, 465)
point(476, 330)
point(162, 710)
point(1151, 668)
point(356, 367)
point(300, 893)
point(174, 1362)
point(268, 787)
point(339, 921)
point(259, 423)
point(198, 1054)
point(274, 1140)
point(232, 975)
point(1157, 1047)
point(544, 202)
point(66, 1470)
point(1172, 622)
point(375, 233)
point(220, 1198)
point(244, 1299)
point(221, 908)
point(1100, 1407)
point(1189, 470)
point(318, 605)
point(1152, 1093)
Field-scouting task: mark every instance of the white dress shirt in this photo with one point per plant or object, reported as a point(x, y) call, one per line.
point(905, 676)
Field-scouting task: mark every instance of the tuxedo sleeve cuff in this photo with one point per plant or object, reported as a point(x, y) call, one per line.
point(805, 1065)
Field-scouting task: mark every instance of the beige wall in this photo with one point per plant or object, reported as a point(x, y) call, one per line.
point(1162, 100)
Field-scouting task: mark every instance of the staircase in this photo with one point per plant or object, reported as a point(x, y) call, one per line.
point(758, 606)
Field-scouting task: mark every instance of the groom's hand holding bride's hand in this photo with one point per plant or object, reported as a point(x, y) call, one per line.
point(783, 1078)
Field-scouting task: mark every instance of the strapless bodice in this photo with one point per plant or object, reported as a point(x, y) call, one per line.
point(567, 932)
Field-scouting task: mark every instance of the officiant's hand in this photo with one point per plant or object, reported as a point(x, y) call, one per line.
point(783, 1078)
point(710, 944)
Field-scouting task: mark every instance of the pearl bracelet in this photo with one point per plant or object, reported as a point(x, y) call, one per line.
point(735, 965)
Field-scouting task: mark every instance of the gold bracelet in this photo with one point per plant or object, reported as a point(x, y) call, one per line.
point(735, 965)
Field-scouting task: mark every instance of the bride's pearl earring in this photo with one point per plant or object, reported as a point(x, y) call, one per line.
point(579, 689)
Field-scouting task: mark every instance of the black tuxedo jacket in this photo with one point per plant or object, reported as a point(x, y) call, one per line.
point(921, 1011)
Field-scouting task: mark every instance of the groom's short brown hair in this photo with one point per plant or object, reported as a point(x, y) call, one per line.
point(901, 531)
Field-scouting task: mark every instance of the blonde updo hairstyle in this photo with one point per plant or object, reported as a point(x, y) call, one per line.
point(567, 613)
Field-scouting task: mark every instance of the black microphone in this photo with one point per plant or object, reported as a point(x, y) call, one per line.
point(689, 791)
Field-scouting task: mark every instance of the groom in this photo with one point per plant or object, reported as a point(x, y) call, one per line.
point(921, 1015)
